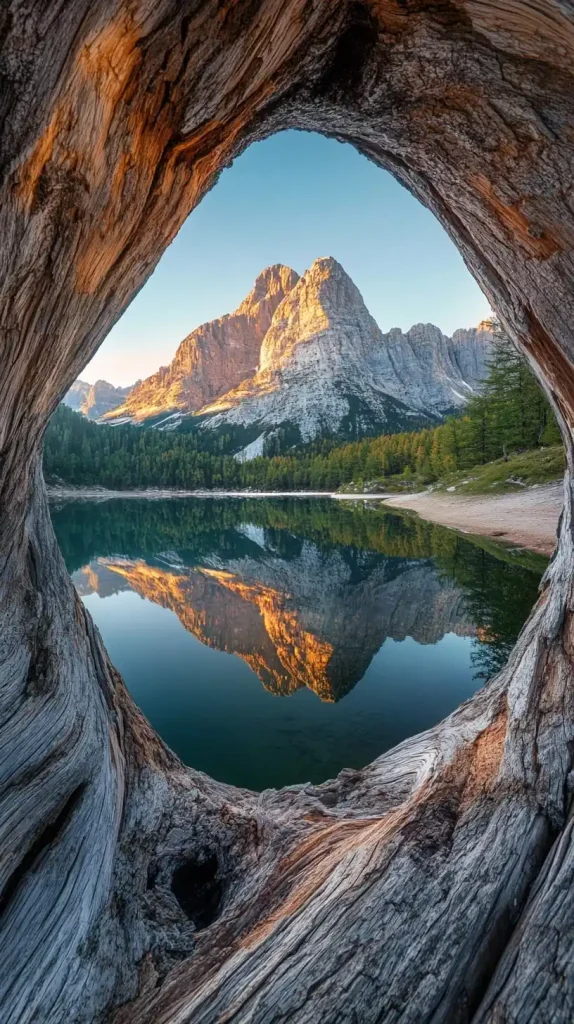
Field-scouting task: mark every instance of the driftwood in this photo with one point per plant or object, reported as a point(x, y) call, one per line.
point(437, 883)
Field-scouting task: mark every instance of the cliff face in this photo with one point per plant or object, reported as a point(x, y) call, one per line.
point(305, 353)
point(325, 367)
point(213, 358)
point(101, 398)
point(435, 371)
point(322, 320)
point(316, 368)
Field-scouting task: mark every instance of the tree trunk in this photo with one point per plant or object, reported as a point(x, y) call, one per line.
point(435, 884)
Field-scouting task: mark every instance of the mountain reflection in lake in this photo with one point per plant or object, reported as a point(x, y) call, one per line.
point(273, 642)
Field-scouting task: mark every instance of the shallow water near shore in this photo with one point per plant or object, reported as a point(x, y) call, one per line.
point(277, 641)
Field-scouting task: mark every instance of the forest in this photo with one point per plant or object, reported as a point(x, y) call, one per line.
point(510, 415)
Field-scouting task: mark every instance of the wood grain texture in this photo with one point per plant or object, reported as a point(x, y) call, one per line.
point(435, 884)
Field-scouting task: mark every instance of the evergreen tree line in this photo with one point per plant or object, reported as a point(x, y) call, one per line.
point(511, 414)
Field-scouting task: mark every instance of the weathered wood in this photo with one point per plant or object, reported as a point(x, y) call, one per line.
point(434, 885)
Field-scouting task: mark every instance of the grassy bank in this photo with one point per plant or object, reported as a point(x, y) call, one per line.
point(504, 476)
point(540, 466)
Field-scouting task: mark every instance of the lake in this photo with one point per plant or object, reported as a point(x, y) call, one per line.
point(273, 642)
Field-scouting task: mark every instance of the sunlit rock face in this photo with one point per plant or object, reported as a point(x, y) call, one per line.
point(94, 400)
point(326, 367)
point(316, 368)
point(310, 621)
point(304, 354)
point(213, 358)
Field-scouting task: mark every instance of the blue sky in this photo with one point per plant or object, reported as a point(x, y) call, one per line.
point(288, 200)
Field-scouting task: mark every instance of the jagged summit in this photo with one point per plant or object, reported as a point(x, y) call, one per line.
point(303, 356)
point(315, 367)
point(274, 281)
point(324, 297)
point(215, 357)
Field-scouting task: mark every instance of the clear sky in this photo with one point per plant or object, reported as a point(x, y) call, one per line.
point(288, 200)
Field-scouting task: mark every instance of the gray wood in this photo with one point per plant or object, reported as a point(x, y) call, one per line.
point(435, 884)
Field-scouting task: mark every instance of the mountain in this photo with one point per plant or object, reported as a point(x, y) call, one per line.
point(94, 400)
point(212, 359)
point(302, 358)
point(101, 398)
point(317, 373)
point(76, 395)
point(313, 620)
point(436, 372)
point(326, 368)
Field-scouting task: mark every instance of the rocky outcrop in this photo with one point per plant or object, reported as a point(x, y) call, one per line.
point(94, 400)
point(101, 398)
point(437, 373)
point(316, 367)
point(214, 357)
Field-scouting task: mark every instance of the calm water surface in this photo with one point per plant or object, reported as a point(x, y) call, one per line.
point(277, 641)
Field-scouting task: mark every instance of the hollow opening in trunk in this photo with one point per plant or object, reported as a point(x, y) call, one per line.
point(313, 602)
point(198, 889)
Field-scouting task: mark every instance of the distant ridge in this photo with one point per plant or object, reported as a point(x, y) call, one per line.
point(94, 400)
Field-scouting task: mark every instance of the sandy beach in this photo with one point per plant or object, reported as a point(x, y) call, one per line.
point(528, 518)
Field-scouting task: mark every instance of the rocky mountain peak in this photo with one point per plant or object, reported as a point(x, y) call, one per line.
point(215, 357)
point(270, 287)
point(76, 395)
point(94, 400)
point(303, 356)
point(325, 299)
point(327, 283)
point(333, 289)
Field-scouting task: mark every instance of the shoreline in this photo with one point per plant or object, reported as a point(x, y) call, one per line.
point(151, 494)
point(526, 519)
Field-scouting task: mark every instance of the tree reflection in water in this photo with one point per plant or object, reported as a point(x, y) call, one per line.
point(368, 625)
point(378, 567)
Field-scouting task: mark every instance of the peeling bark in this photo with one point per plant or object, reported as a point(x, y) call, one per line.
point(435, 884)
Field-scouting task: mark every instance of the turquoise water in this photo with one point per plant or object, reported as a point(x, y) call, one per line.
point(273, 642)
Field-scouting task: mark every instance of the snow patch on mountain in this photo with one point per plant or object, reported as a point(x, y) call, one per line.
point(251, 451)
